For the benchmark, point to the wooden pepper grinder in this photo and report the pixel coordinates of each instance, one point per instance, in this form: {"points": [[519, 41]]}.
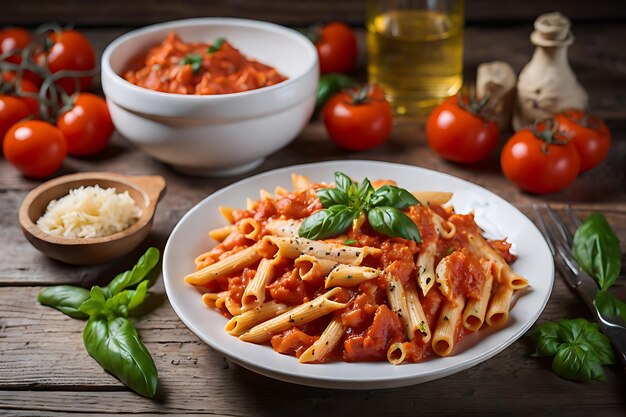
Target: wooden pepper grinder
{"points": [[547, 85]]}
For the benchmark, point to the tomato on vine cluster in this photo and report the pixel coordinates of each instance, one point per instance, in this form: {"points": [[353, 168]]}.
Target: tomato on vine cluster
{"points": [[44, 76]]}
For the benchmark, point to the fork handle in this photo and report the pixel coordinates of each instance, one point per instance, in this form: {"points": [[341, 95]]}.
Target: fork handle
{"points": [[618, 339]]}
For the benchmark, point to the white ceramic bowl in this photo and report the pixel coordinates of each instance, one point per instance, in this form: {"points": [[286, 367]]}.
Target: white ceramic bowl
{"points": [[224, 134]]}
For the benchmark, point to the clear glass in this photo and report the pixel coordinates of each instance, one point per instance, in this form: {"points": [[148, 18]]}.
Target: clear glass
{"points": [[415, 51]]}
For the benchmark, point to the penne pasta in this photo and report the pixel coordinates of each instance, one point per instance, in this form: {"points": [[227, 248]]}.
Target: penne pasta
{"points": [[250, 228], [214, 299], [396, 353], [432, 198], [293, 247], [444, 336], [227, 212], [480, 247], [444, 228], [475, 309], [299, 315], [498, 312], [327, 342], [417, 320], [397, 300], [285, 228], [239, 324], [350, 276], [235, 262], [254, 293], [300, 182], [426, 267], [221, 233], [313, 269]]}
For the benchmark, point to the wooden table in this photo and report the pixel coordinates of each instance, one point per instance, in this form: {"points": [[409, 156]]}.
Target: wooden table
{"points": [[45, 370]]}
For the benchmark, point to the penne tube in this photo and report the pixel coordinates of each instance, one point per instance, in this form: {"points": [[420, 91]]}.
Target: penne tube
{"points": [[313, 269], [299, 315], [254, 294], [426, 267], [300, 182], [221, 233], [432, 198], [293, 247], [475, 309], [444, 336], [397, 300], [238, 325], [328, 340], [227, 212], [233, 307], [396, 353], [498, 312], [350, 275], [444, 228], [284, 228], [250, 228], [416, 318], [265, 195], [211, 299], [228, 265], [480, 247]]}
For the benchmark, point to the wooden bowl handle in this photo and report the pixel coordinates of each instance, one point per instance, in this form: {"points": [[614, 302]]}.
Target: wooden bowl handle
{"points": [[152, 185]]}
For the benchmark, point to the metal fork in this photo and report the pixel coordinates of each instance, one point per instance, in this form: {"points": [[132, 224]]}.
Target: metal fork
{"points": [[560, 239]]}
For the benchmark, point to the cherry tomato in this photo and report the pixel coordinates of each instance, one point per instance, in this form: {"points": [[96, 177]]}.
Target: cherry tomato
{"points": [[25, 86], [71, 51], [540, 161], [590, 135], [35, 147], [456, 131], [12, 110], [87, 126], [358, 119], [337, 48], [14, 39]]}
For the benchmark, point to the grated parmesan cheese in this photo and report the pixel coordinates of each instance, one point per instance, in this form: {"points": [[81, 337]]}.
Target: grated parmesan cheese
{"points": [[89, 212]]}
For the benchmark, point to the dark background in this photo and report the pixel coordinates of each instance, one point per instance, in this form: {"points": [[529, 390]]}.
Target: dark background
{"points": [[125, 13]]}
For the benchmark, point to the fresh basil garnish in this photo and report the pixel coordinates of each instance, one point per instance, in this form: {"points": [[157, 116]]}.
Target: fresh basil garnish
{"points": [[216, 45], [597, 250], [578, 347], [348, 200], [195, 60], [65, 298], [609, 305], [109, 337]]}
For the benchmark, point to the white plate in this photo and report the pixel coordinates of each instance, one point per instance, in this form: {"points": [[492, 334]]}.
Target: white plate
{"points": [[496, 216]]}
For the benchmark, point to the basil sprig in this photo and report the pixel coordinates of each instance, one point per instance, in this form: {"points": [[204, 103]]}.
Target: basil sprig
{"points": [[216, 45], [109, 336], [195, 60], [578, 347], [345, 203]]}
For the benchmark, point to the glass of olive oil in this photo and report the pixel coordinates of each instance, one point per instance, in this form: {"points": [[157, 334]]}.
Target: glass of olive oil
{"points": [[415, 50]]}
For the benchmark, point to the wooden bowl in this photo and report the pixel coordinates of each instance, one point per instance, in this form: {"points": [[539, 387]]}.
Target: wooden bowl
{"points": [[146, 191]]}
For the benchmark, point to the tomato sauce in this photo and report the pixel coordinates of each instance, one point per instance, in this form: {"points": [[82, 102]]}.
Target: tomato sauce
{"points": [[180, 67]]}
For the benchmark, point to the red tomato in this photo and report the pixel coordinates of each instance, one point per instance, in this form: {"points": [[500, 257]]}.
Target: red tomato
{"points": [[337, 48], [358, 123], [590, 135], [34, 147], [460, 134], [71, 51], [539, 162], [25, 86], [87, 126], [13, 39], [12, 110]]}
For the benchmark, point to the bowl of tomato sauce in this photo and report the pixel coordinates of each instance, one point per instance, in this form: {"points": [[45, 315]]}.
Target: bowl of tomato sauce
{"points": [[211, 96]]}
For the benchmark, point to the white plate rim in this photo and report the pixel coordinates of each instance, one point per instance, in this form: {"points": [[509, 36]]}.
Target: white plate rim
{"points": [[383, 375]]}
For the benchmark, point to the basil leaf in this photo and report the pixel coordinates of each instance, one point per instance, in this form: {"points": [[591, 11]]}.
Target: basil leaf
{"points": [[139, 295], [331, 197], [195, 60], [365, 191], [576, 363], [391, 196], [115, 345], [598, 344], [130, 278], [65, 298], [216, 45], [343, 183], [597, 250], [546, 339], [394, 223], [610, 306], [571, 331], [327, 223]]}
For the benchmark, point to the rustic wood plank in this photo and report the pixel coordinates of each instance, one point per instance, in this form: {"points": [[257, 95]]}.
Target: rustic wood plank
{"points": [[303, 12], [44, 368]]}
